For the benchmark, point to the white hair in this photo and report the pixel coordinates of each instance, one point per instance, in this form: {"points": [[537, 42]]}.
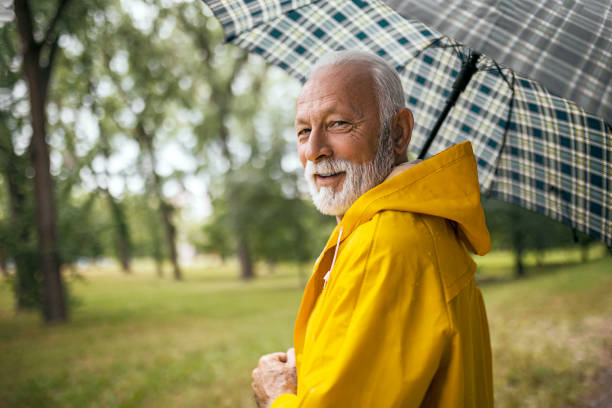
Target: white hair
{"points": [[388, 86]]}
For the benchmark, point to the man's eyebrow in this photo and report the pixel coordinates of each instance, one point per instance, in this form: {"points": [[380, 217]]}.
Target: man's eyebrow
{"points": [[300, 121]]}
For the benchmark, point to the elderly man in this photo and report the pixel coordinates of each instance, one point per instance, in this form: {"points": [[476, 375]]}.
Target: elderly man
{"points": [[391, 316]]}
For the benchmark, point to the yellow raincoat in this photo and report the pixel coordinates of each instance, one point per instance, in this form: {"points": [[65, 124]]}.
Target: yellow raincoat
{"points": [[400, 322]]}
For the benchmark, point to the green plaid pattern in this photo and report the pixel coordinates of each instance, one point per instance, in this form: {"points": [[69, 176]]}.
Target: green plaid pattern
{"points": [[295, 40], [532, 148], [238, 16], [557, 161], [564, 45], [476, 115]]}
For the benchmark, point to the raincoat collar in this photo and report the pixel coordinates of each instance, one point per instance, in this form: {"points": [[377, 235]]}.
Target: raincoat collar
{"points": [[445, 185]]}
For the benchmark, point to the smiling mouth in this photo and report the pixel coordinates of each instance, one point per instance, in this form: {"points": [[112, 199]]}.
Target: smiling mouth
{"points": [[327, 179], [327, 175]]}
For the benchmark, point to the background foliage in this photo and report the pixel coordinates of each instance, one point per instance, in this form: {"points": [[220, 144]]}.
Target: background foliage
{"points": [[172, 157]]}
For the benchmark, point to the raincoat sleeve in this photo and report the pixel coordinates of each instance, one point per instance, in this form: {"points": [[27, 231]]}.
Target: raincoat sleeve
{"points": [[381, 328]]}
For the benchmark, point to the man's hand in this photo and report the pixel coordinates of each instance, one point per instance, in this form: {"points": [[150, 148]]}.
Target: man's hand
{"points": [[275, 375]]}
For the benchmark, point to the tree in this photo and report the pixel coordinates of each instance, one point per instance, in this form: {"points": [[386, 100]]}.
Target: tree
{"points": [[120, 227], [38, 60], [521, 230], [278, 227], [147, 233], [122, 233], [144, 108], [221, 75], [166, 210], [277, 222], [40, 29], [17, 237]]}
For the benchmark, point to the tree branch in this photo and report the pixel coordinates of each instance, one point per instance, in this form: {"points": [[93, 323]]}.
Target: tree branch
{"points": [[25, 25], [46, 69], [240, 62], [199, 36], [50, 36], [51, 39], [7, 56]]}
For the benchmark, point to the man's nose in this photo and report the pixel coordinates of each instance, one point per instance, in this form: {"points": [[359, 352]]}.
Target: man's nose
{"points": [[318, 146]]}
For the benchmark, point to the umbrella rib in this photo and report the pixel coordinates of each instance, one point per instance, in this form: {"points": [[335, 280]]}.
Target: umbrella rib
{"points": [[463, 78], [508, 118]]}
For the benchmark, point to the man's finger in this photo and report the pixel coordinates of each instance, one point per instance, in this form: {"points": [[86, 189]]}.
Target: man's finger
{"points": [[282, 357], [258, 392], [291, 357], [273, 357]]}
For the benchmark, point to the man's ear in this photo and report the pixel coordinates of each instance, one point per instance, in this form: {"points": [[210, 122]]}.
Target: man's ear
{"points": [[403, 122]]}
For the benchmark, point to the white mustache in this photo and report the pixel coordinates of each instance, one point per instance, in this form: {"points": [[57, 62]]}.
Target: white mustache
{"points": [[326, 167]]}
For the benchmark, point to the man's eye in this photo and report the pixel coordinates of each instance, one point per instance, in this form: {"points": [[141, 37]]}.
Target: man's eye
{"points": [[339, 124], [303, 132]]}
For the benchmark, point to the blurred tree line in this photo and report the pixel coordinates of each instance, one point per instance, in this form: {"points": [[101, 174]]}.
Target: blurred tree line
{"points": [[519, 230], [92, 97]]}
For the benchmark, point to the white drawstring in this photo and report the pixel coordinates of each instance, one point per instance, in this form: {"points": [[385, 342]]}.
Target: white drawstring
{"points": [[326, 277]]}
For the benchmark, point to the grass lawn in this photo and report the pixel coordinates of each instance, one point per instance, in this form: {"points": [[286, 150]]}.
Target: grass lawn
{"points": [[140, 341]]}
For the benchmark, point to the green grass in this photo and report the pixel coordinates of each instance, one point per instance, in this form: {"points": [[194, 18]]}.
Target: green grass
{"points": [[551, 334], [140, 341]]}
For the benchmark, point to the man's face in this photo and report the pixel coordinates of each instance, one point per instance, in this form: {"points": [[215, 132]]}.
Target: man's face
{"points": [[337, 124]]}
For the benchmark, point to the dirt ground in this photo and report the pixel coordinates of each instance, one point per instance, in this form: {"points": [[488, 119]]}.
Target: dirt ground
{"points": [[603, 397], [600, 395]]}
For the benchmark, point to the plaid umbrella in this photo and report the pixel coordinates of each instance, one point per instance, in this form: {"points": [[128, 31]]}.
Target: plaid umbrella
{"points": [[562, 45], [533, 148]]}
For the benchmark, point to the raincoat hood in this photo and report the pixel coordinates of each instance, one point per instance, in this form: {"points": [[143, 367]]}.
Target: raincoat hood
{"points": [[445, 185]]}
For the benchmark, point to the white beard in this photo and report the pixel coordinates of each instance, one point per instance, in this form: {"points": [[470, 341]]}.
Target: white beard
{"points": [[358, 179]]}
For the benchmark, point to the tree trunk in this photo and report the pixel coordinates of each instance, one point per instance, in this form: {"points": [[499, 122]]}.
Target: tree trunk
{"points": [[3, 264], [519, 267], [159, 266], [54, 303], [37, 77], [170, 232], [242, 248], [124, 255], [27, 287], [584, 251], [244, 256], [146, 141], [518, 250], [158, 255], [121, 232], [539, 257], [517, 237]]}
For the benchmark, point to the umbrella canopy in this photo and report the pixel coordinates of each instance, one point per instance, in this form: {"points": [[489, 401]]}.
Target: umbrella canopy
{"points": [[533, 148], [565, 46]]}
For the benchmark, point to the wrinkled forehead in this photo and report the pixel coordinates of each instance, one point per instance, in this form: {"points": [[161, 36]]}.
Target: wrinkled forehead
{"points": [[353, 80]]}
